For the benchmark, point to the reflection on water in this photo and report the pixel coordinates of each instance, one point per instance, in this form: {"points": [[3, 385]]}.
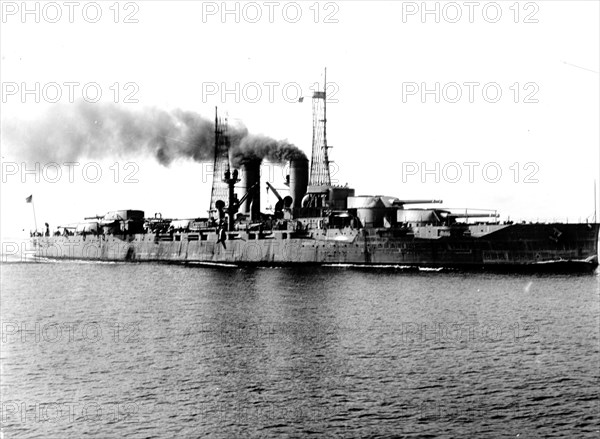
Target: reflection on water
{"points": [[149, 350]]}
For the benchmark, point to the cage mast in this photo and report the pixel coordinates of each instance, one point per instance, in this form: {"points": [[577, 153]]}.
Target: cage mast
{"points": [[319, 167]]}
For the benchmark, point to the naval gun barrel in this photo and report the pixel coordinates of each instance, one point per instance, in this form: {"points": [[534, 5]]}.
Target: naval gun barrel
{"points": [[418, 201], [474, 215]]}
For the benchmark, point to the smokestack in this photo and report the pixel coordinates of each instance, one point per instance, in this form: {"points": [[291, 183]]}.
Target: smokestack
{"points": [[298, 180], [251, 183]]}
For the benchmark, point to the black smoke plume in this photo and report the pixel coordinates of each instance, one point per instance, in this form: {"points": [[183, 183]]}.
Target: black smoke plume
{"points": [[259, 147], [95, 131]]}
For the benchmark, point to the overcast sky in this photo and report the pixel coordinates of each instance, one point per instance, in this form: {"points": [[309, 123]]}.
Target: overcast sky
{"points": [[541, 132]]}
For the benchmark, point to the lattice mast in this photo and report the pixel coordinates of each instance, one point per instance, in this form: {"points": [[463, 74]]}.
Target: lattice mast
{"points": [[319, 167], [220, 189]]}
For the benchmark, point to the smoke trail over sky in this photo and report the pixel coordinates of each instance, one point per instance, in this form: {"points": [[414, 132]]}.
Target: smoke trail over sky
{"points": [[102, 130]]}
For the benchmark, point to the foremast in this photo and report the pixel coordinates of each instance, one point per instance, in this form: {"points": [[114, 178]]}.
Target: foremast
{"points": [[220, 189], [223, 179]]}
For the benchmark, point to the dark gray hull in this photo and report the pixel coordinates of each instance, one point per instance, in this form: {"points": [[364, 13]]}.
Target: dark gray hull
{"points": [[539, 247]]}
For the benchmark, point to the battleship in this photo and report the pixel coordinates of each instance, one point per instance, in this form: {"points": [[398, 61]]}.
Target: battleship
{"points": [[316, 222]]}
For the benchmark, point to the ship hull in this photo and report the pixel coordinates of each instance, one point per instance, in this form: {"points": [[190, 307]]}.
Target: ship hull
{"points": [[539, 247]]}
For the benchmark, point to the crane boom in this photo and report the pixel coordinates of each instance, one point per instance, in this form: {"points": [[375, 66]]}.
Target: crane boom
{"points": [[270, 186]]}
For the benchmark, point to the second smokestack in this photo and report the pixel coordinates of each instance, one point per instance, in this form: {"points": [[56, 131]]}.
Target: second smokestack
{"points": [[298, 180]]}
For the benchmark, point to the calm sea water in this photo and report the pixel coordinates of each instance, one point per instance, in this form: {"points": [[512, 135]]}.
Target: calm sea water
{"points": [[150, 350]]}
